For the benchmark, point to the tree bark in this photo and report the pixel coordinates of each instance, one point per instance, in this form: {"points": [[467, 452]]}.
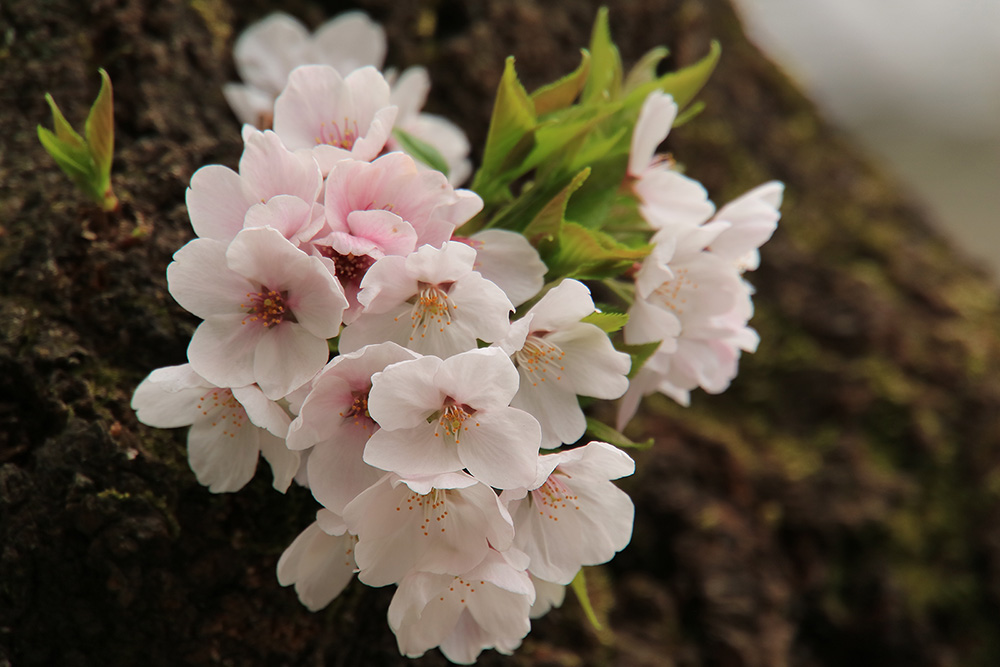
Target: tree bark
{"points": [[836, 506]]}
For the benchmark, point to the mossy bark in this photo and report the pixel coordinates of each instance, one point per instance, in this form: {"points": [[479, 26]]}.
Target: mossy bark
{"points": [[838, 505]]}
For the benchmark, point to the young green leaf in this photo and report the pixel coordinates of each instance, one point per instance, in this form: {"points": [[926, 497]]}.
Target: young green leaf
{"points": [[421, 150], [86, 160], [639, 353], [546, 226], [64, 132], [608, 322], [100, 127], [605, 433], [591, 254], [682, 85], [510, 135], [605, 80], [560, 94], [644, 71]]}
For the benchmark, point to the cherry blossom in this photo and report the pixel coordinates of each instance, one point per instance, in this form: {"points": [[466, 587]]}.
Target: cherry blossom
{"points": [[230, 428], [267, 52], [268, 309], [509, 260], [320, 561], [559, 357], [573, 515], [443, 524], [335, 423], [409, 93], [752, 219], [666, 197], [440, 416], [485, 607], [219, 198], [332, 116], [430, 301]]}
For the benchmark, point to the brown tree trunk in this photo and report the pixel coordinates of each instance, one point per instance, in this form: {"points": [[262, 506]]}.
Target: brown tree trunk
{"points": [[838, 505]]}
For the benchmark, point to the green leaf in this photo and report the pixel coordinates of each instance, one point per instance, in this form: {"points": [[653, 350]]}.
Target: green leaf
{"points": [[605, 433], [682, 85], [579, 586], [75, 161], [591, 254], [560, 94], [608, 322], [545, 227], [605, 80], [639, 353], [64, 132], [689, 113], [421, 150], [100, 128], [644, 71], [509, 138]]}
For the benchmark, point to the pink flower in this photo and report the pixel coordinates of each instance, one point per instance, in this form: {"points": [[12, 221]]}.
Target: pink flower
{"points": [[573, 515], [430, 301], [666, 197], [334, 117], [219, 198], [441, 416], [267, 51], [268, 309], [320, 561], [485, 607], [230, 428], [559, 357], [443, 524], [335, 423], [409, 93], [509, 260]]}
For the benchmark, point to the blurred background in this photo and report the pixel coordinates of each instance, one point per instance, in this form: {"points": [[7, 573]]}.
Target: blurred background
{"points": [[917, 82]]}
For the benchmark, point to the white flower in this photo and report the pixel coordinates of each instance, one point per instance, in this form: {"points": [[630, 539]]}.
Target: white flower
{"points": [[441, 416], [573, 515], [267, 51], [268, 309], [219, 198], [559, 357], [230, 428], [409, 93], [752, 219], [430, 301], [548, 596], [509, 260], [485, 607], [666, 197], [334, 117], [319, 562], [443, 524], [334, 421]]}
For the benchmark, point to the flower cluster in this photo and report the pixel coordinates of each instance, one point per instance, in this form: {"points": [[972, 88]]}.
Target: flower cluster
{"points": [[462, 326]]}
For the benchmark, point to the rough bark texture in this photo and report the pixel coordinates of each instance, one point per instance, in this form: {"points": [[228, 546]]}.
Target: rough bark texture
{"points": [[838, 505]]}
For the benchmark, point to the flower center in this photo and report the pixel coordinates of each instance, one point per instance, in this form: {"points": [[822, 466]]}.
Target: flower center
{"points": [[553, 496], [452, 420], [669, 293], [221, 407], [431, 307], [332, 134], [349, 268], [538, 357], [433, 506], [269, 308], [359, 410]]}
